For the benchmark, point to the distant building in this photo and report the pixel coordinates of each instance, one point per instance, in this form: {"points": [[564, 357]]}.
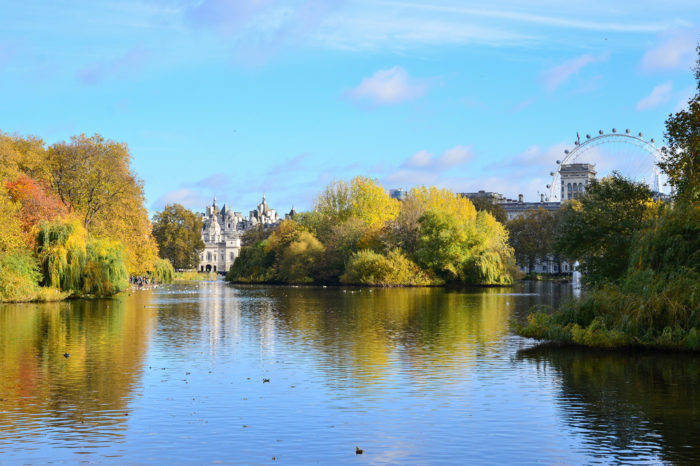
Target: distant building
{"points": [[575, 179], [222, 231], [398, 193]]}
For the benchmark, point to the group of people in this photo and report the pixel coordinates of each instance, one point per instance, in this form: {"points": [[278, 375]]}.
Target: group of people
{"points": [[141, 281]]}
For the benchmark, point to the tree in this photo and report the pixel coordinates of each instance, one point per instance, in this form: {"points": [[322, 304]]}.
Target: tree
{"points": [[598, 229], [531, 236], [681, 156], [371, 203], [91, 173], [93, 177], [486, 204], [178, 232]]}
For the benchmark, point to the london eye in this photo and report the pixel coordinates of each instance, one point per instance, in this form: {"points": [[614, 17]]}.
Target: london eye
{"points": [[629, 154]]}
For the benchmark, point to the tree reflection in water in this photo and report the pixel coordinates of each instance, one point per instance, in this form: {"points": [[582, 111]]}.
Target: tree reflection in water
{"points": [[621, 401], [81, 399]]}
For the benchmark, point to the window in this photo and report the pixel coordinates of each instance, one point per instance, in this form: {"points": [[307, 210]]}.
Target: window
{"points": [[568, 189], [208, 256]]}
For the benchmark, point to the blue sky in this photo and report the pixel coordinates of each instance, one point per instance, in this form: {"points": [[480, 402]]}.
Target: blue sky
{"points": [[241, 98]]}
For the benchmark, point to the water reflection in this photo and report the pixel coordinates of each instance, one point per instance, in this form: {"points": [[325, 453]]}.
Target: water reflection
{"points": [[631, 406], [78, 399], [410, 375]]}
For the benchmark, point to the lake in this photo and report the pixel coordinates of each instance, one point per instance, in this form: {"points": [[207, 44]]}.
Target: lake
{"points": [[212, 373]]}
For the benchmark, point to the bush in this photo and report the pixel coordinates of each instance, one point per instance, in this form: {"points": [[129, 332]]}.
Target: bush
{"points": [[19, 276], [370, 268]]}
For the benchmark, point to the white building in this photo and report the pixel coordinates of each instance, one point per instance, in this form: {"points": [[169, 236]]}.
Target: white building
{"points": [[222, 231]]}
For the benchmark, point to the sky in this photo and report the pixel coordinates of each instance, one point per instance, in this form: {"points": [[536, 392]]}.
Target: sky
{"points": [[236, 99]]}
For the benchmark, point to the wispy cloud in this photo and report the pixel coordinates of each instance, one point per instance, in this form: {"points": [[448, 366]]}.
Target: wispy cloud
{"points": [[676, 50], [121, 66], [544, 20], [216, 182], [424, 167], [555, 77], [389, 86], [659, 95], [190, 198]]}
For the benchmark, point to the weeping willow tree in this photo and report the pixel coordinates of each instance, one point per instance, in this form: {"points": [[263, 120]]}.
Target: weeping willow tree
{"points": [[61, 250], [71, 260], [163, 271], [105, 272], [491, 260]]}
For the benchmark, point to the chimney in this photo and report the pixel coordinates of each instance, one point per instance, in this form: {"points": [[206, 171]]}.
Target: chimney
{"points": [[520, 198], [541, 197]]}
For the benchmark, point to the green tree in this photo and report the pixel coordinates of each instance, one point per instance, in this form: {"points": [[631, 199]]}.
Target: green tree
{"points": [[682, 151], [178, 232], [598, 229], [532, 236]]}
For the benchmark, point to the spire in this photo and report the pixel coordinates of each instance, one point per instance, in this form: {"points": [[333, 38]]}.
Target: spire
{"points": [[214, 200]]}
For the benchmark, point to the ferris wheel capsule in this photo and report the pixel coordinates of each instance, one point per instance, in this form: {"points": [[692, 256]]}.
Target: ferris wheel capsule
{"points": [[600, 131], [558, 162], [566, 151], [652, 140], [627, 131], [641, 135], [588, 136], [614, 130]]}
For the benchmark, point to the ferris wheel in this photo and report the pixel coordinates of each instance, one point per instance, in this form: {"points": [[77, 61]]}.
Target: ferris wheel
{"points": [[631, 155]]}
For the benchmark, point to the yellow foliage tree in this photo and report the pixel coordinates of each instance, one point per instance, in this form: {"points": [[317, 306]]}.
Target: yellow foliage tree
{"points": [[371, 203], [432, 198]]}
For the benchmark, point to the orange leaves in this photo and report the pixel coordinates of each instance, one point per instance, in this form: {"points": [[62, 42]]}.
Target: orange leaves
{"points": [[35, 203]]}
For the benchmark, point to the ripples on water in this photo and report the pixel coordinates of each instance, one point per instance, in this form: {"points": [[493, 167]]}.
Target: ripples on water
{"points": [[176, 375]]}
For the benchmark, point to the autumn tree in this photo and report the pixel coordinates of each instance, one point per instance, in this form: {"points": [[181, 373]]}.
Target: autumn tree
{"points": [[93, 176], [178, 232]]}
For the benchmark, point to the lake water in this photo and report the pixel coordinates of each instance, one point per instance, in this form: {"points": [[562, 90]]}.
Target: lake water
{"points": [[180, 375]]}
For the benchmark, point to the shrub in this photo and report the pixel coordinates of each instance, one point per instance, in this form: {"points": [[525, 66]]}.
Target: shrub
{"points": [[370, 268], [19, 276]]}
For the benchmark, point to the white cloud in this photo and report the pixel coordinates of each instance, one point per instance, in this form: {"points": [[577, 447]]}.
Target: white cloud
{"points": [[190, 198], [676, 50], [424, 160], [553, 78], [390, 86], [660, 95]]}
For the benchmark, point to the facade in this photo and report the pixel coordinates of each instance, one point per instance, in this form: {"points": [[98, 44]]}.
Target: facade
{"points": [[222, 231], [399, 194], [575, 178]]}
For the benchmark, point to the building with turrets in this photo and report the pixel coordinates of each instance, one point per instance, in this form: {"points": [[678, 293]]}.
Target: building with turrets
{"points": [[222, 230]]}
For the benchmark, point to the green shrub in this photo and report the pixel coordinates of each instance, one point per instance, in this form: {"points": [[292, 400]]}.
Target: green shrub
{"points": [[19, 276], [370, 268]]}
